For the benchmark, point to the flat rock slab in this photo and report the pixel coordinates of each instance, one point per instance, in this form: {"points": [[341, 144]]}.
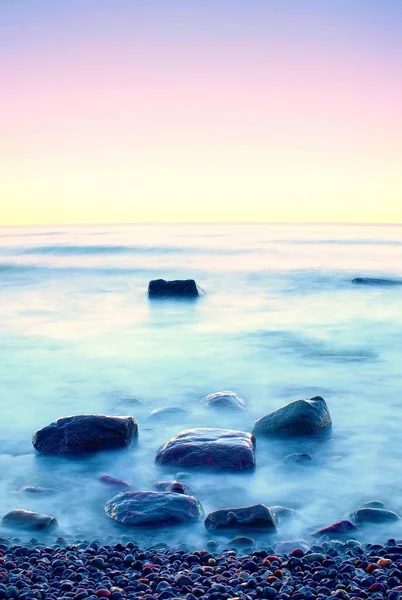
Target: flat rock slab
{"points": [[27, 519], [376, 281], [220, 449], [153, 508], [115, 482], [179, 288], [81, 434], [248, 518], [299, 418], [224, 401]]}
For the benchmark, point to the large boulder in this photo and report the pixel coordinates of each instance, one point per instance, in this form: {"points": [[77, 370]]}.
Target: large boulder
{"points": [[81, 434], [153, 508], [224, 401], [299, 418], [179, 288], [374, 515], [221, 449], [247, 518], [28, 519]]}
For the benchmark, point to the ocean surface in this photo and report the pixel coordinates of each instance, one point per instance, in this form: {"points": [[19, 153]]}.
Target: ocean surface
{"points": [[280, 320]]}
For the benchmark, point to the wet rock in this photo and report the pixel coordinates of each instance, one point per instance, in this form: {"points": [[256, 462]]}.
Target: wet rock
{"points": [[338, 528], [160, 288], [288, 546], [299, 418], [220, 449], [241, 541], [81, 434], [168, 413], [283, 513], [375, 281], [113, 481], [172, 486], [224, 401], [298, 458], [36, 489], [153, 508], [374, 515], [251, 518], [27, 519], [373, 504]]}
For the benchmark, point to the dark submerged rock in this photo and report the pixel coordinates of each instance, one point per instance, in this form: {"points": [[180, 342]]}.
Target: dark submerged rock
{"points": [[168, 413], [81, 434], [221, 449], [35, 489], [376, 281], [172, 486], [373, 504], [374, 515], [299, 418], [180, 288], [250, 518], [153, 508], [224, 401], [113, 481], [28, 519], [298, 458], [338, 528]]}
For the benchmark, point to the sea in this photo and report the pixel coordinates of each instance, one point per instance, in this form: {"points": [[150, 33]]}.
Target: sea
{"points": [[280, 320]]}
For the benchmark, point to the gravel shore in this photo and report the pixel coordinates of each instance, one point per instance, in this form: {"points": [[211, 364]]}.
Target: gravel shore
{"points": [[344, 570]]}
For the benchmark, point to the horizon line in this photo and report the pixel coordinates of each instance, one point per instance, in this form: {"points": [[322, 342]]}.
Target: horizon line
{"points": [[202, 223]]}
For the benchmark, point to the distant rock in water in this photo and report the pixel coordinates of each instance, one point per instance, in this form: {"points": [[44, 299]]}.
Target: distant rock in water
{"points": [[27, 519], [374, 504], [167, 413], [299, 418], [375, 281], [220, 449], [35, 489], [172, 486], [343, 527], [224, 401], [153, 508], [298, 458], [283, 513], [179, 288], [248, 518], [374, 515], [81, 434], [113, 481]]}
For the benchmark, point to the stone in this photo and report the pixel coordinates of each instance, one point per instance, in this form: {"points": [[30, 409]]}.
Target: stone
{"points": [[338, 528], [36, 489], [82, 434], [241, 541], [373, 504], [168, 413], [249, 518], [299, 418], [374, 515], [376, 281], [28, 519], [113, 481], [153, 508], [220, 449], [224, 401], [283, 513], [286, 547], [299, 458], [172, 486], [180, 288]]}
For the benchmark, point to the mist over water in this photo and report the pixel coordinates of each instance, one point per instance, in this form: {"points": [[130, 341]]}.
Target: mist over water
{"points": [[280, 320]]}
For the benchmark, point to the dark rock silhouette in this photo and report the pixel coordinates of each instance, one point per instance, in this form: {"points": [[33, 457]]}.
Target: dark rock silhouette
{"points": [[27, 519], [179, 288], [299, 418], [81, 434], [375, 281], [249, 518], [224, 401]]}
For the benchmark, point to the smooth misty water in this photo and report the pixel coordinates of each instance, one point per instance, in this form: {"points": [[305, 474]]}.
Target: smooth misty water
{"points": [[280, 320]]}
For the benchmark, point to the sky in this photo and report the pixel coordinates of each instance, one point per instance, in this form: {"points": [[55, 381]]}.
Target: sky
{"points": [[207, 110]]}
